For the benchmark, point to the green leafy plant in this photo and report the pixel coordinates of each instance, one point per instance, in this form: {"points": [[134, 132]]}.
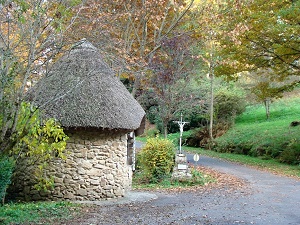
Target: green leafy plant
{"points": [[6, 168], [291, 153], [40, 142], [229, 104], [152, 133], [156, 158]]}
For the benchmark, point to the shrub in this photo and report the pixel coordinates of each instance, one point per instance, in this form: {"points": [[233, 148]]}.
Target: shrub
{"points": [[156, 158], [6, 168], [228, 105], [39, 142], [291, 153], [152, 132], [152, 114], [290, 156], [194, 139], [199, 137]]}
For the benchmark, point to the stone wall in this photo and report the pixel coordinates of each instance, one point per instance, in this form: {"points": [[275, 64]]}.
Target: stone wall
{"points": [[96, 168]]}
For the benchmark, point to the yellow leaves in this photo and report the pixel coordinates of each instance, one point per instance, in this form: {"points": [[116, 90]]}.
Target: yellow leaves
{"points": [[259, 34], [43, 183], [40, 143]]}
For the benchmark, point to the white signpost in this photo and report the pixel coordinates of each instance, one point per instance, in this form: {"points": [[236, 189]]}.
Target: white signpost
{"points": [[196, 157]]}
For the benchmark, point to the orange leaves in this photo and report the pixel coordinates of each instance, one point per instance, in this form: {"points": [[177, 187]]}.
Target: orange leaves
{"points": [[132, 27]]}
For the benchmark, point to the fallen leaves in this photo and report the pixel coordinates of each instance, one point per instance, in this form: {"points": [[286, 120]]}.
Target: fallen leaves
{"points": [[221, 181]]}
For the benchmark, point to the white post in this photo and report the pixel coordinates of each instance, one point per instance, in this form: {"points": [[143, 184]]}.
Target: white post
{"points": [[180, 145]]}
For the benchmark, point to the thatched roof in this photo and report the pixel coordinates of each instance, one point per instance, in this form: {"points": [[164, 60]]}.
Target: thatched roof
{"points": [[81, 91]]}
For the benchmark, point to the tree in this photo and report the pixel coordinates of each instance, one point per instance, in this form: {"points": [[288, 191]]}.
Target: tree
{"points": [[172, 69], [131, 31], [262, 35], [265, 88], [31, 36], [230, 102], [259, 41], [209, 19]]}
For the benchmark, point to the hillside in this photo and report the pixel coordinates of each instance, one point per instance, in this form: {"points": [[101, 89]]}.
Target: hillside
{"points": [[253, 135]]}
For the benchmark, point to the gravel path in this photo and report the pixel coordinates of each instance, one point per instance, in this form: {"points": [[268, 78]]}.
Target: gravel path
{"points": [[263, 199]]}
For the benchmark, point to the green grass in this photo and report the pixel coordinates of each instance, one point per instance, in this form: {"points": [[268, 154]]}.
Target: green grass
{"points": [[272, 136], [199, 178], [282, 113], [173, 137], [37, 212], [282, 110], [271, 165]]}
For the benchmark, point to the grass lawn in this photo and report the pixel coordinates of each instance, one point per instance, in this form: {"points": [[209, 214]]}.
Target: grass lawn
{"points": [[37, 212], [253, 126]]}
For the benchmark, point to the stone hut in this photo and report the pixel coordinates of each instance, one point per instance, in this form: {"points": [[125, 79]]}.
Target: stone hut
{"points": [[97, 113]]}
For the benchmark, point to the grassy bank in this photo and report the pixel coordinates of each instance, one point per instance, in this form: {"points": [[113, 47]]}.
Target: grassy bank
{"points": [[253, 125], [254, 135], [268, 144], [37, 212]]}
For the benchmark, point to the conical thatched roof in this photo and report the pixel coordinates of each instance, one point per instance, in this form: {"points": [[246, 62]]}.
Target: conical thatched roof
{"points": [[81, 91]]}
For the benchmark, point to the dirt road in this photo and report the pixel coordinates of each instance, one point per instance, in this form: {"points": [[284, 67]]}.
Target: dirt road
{"points": [[265, 199]]}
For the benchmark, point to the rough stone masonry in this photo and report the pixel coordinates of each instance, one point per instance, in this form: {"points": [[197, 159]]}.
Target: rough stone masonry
{"points": [[96, 168]]}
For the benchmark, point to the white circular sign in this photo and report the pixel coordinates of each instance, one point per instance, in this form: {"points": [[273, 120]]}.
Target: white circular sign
{"points": [[196, 157]]}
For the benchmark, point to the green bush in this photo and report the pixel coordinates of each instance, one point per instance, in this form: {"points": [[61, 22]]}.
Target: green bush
{"points": [[6, 168], [200, 137], [291, 153], [152, 114], [156, 159], [195, 137], [152, 133], [228, 105]]}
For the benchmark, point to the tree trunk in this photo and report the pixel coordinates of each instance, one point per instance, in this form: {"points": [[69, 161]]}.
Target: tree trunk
{"points": [[136, 84], [165, 131], [267, 107], [211, 76]]}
